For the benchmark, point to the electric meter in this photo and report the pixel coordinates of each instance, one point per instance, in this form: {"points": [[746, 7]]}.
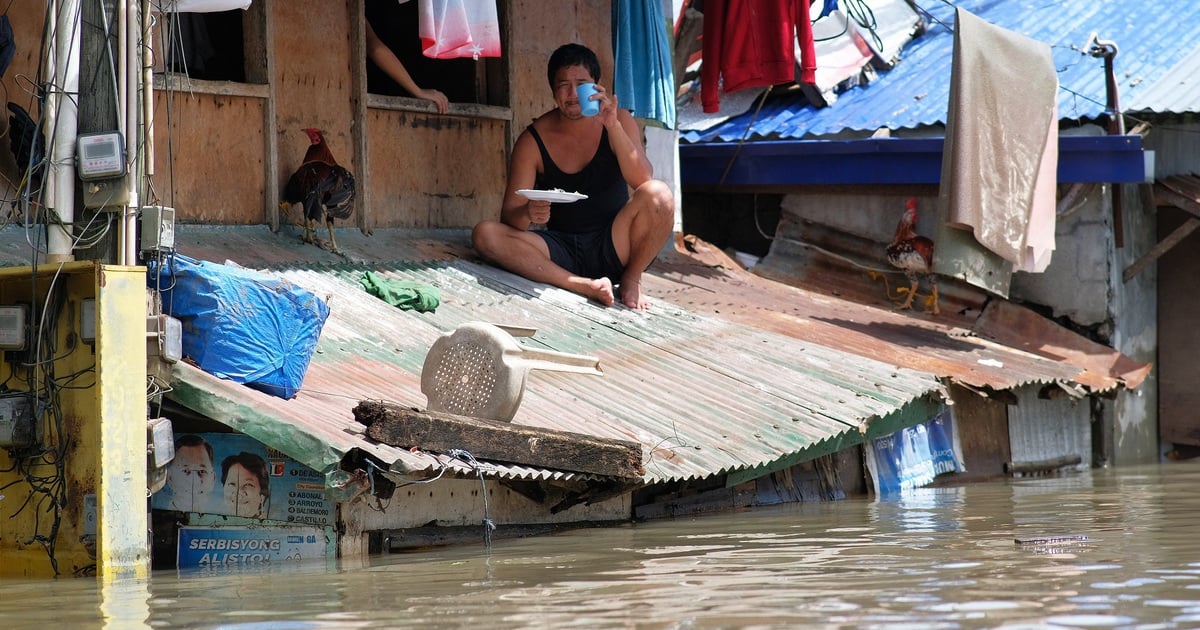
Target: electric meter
{"points": [[101, 155]]}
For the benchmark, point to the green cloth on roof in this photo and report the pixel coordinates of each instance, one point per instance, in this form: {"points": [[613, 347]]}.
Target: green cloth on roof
{"points": [[405, 294]]}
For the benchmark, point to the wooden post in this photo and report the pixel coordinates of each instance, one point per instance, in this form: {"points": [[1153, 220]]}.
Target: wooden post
{"points": [[98, 108], [366, 216]]}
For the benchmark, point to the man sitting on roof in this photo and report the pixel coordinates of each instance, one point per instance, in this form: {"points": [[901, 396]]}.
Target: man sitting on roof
{"points": [[599, 246]]}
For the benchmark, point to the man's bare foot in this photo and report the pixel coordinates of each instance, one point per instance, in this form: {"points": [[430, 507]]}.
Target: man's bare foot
{"points": [[601, 290], [631, 295]]}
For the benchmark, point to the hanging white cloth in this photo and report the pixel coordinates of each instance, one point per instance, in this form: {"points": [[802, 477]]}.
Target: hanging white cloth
{"points": [[459, 28], [1001, 156]]}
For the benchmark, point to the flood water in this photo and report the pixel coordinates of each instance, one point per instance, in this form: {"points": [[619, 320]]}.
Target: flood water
{"points": [[936, 558]]}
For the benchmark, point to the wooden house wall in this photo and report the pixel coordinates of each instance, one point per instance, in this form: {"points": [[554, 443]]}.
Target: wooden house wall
{"points": [[209, 163], [536, 32], [428, 170], [1178, 303], [312, 80], [223, 151], [417, 169]]}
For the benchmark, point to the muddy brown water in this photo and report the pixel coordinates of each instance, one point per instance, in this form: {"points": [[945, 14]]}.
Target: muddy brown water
{"points": [[1103, 549]]}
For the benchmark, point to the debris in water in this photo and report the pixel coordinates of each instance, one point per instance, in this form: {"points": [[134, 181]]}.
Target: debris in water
{"points": [[1050, 540]]}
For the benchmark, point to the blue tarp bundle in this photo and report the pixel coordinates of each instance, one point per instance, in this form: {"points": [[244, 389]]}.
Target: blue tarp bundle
{"points": [[241, 324]]}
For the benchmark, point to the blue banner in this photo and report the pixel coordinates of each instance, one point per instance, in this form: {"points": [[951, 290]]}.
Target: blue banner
{"points": [[241, 546]]}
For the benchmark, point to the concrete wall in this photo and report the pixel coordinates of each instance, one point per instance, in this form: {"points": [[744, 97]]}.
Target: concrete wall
{"points": [[1076, 284], [1134, 331]]}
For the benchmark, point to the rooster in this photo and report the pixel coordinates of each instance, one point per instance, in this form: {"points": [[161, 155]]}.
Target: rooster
{"points": [[914, 254], [325, 189]]}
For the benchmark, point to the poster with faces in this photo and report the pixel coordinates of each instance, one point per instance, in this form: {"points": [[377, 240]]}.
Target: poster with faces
{"points": [[235, 475]]}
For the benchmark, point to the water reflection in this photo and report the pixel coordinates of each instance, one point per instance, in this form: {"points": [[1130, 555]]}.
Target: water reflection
{"points": [[125, 603], [934, 558]]}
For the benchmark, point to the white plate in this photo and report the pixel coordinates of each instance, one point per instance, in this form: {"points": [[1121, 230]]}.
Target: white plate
{"points": [[555, 196]]}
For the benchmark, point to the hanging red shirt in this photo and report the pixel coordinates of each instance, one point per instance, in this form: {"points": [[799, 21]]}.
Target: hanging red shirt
{"points": [[752, 43]]}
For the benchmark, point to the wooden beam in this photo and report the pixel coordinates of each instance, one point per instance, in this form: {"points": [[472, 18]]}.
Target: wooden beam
{"points": [[405, 427], [1182, 193], [1161, 248], [1042, 466]]}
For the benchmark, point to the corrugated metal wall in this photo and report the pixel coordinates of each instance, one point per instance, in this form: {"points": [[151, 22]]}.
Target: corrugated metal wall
{"points": [[1045, 430]]}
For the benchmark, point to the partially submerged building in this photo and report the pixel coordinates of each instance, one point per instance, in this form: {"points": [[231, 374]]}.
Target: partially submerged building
{"points": [[739, 389], [833, 165]]}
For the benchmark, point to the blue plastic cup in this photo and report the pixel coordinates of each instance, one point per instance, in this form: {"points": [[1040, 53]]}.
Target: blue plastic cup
{"points": [[586, 105]]}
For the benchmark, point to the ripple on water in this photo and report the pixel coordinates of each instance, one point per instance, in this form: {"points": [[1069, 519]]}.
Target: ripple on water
{"points": [[1134, 583], [958, 565], [980, 606], [1090, 621]]}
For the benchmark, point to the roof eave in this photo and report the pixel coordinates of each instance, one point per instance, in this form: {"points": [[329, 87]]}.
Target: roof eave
{"points": [[1081, 159]]}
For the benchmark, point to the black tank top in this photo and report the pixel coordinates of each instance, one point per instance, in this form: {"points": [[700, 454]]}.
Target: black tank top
{"points": [[600, 180]]}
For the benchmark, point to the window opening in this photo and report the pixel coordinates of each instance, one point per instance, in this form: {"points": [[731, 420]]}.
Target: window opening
{"points": [[461, 80], [207, 46]]}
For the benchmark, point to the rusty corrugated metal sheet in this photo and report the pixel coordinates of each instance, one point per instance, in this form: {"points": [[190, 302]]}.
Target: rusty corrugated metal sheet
{"points": [[997, 346], [727, 371]]}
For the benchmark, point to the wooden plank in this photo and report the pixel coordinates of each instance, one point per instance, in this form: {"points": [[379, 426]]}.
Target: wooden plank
{"points": [[174, 82], [1171, 192], [1161, 248], [202, 134], [1186, 186], [421, 106], [1043, 466], [405, 427], [983, 434]]}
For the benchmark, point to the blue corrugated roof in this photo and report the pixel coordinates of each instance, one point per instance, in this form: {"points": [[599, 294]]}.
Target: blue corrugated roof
{"points": [[1156, 69]]}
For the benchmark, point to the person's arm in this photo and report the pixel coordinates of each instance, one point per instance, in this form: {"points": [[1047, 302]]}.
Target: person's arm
{"points": [[517, 211], [624, 137], [390, 64]]}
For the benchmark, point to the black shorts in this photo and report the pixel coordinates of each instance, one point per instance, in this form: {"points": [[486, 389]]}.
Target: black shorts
{"points": [[587, 254]]}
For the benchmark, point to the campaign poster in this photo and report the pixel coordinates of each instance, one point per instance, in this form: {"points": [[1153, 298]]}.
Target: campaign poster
{"points": [[941, 444], [913, 456], [242, 546], [235, 475]]}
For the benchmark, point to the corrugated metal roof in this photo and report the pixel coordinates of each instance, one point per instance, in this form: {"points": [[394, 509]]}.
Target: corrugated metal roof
{"points": [[706, 390], [704, 395], [1156, 66], [996, 346]]}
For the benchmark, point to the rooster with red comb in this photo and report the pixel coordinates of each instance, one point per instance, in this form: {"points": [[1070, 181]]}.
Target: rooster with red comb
{"points": [[913, 254]]}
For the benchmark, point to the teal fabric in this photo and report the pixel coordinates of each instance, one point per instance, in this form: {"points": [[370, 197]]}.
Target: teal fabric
{"points": [[643, 78], [404, 294]]}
